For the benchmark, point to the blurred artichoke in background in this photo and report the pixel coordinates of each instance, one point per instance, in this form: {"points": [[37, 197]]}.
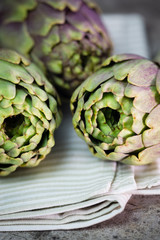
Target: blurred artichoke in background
{"points": [[28, 113], [116, 110], [64, 37]]}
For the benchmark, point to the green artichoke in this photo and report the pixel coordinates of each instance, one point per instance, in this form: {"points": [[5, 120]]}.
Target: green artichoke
{"points": [[29, 113], [116, 110], [64, 37]]}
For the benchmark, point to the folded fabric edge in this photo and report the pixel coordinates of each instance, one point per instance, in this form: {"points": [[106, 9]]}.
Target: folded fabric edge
{"points": [[21, 225], [147, 191]]}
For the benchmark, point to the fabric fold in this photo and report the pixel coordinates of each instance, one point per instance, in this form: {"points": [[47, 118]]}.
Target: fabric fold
{"points": [[101, 209]]}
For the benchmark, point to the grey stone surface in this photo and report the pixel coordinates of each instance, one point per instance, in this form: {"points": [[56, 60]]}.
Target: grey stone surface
{"points": [[141, 218]]}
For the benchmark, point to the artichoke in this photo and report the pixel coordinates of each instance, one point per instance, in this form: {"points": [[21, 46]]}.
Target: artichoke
{"points": [[116, 110], [28, 113], [64, 37]]}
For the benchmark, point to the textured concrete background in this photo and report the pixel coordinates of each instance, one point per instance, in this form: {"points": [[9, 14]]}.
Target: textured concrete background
{"points": [[141, 218]]}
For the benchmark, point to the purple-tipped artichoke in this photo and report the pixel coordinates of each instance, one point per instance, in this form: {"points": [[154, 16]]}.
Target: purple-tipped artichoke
{"points": [[116, 110], [64, 37], [29, 113]]}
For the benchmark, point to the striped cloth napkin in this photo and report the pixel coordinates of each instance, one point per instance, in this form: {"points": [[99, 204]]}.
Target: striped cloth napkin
{"points": [[71, 188]]}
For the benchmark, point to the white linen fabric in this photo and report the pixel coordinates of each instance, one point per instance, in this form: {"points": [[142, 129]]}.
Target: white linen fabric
{"points": [[72, 189]]}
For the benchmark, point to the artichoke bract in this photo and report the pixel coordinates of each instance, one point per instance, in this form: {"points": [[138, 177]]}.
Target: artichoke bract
{"points": [[116, 110], [64, 37], [29, 113]]}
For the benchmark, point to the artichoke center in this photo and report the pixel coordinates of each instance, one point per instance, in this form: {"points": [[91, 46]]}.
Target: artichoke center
{"points": [[12, 125], [112, 117]]}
